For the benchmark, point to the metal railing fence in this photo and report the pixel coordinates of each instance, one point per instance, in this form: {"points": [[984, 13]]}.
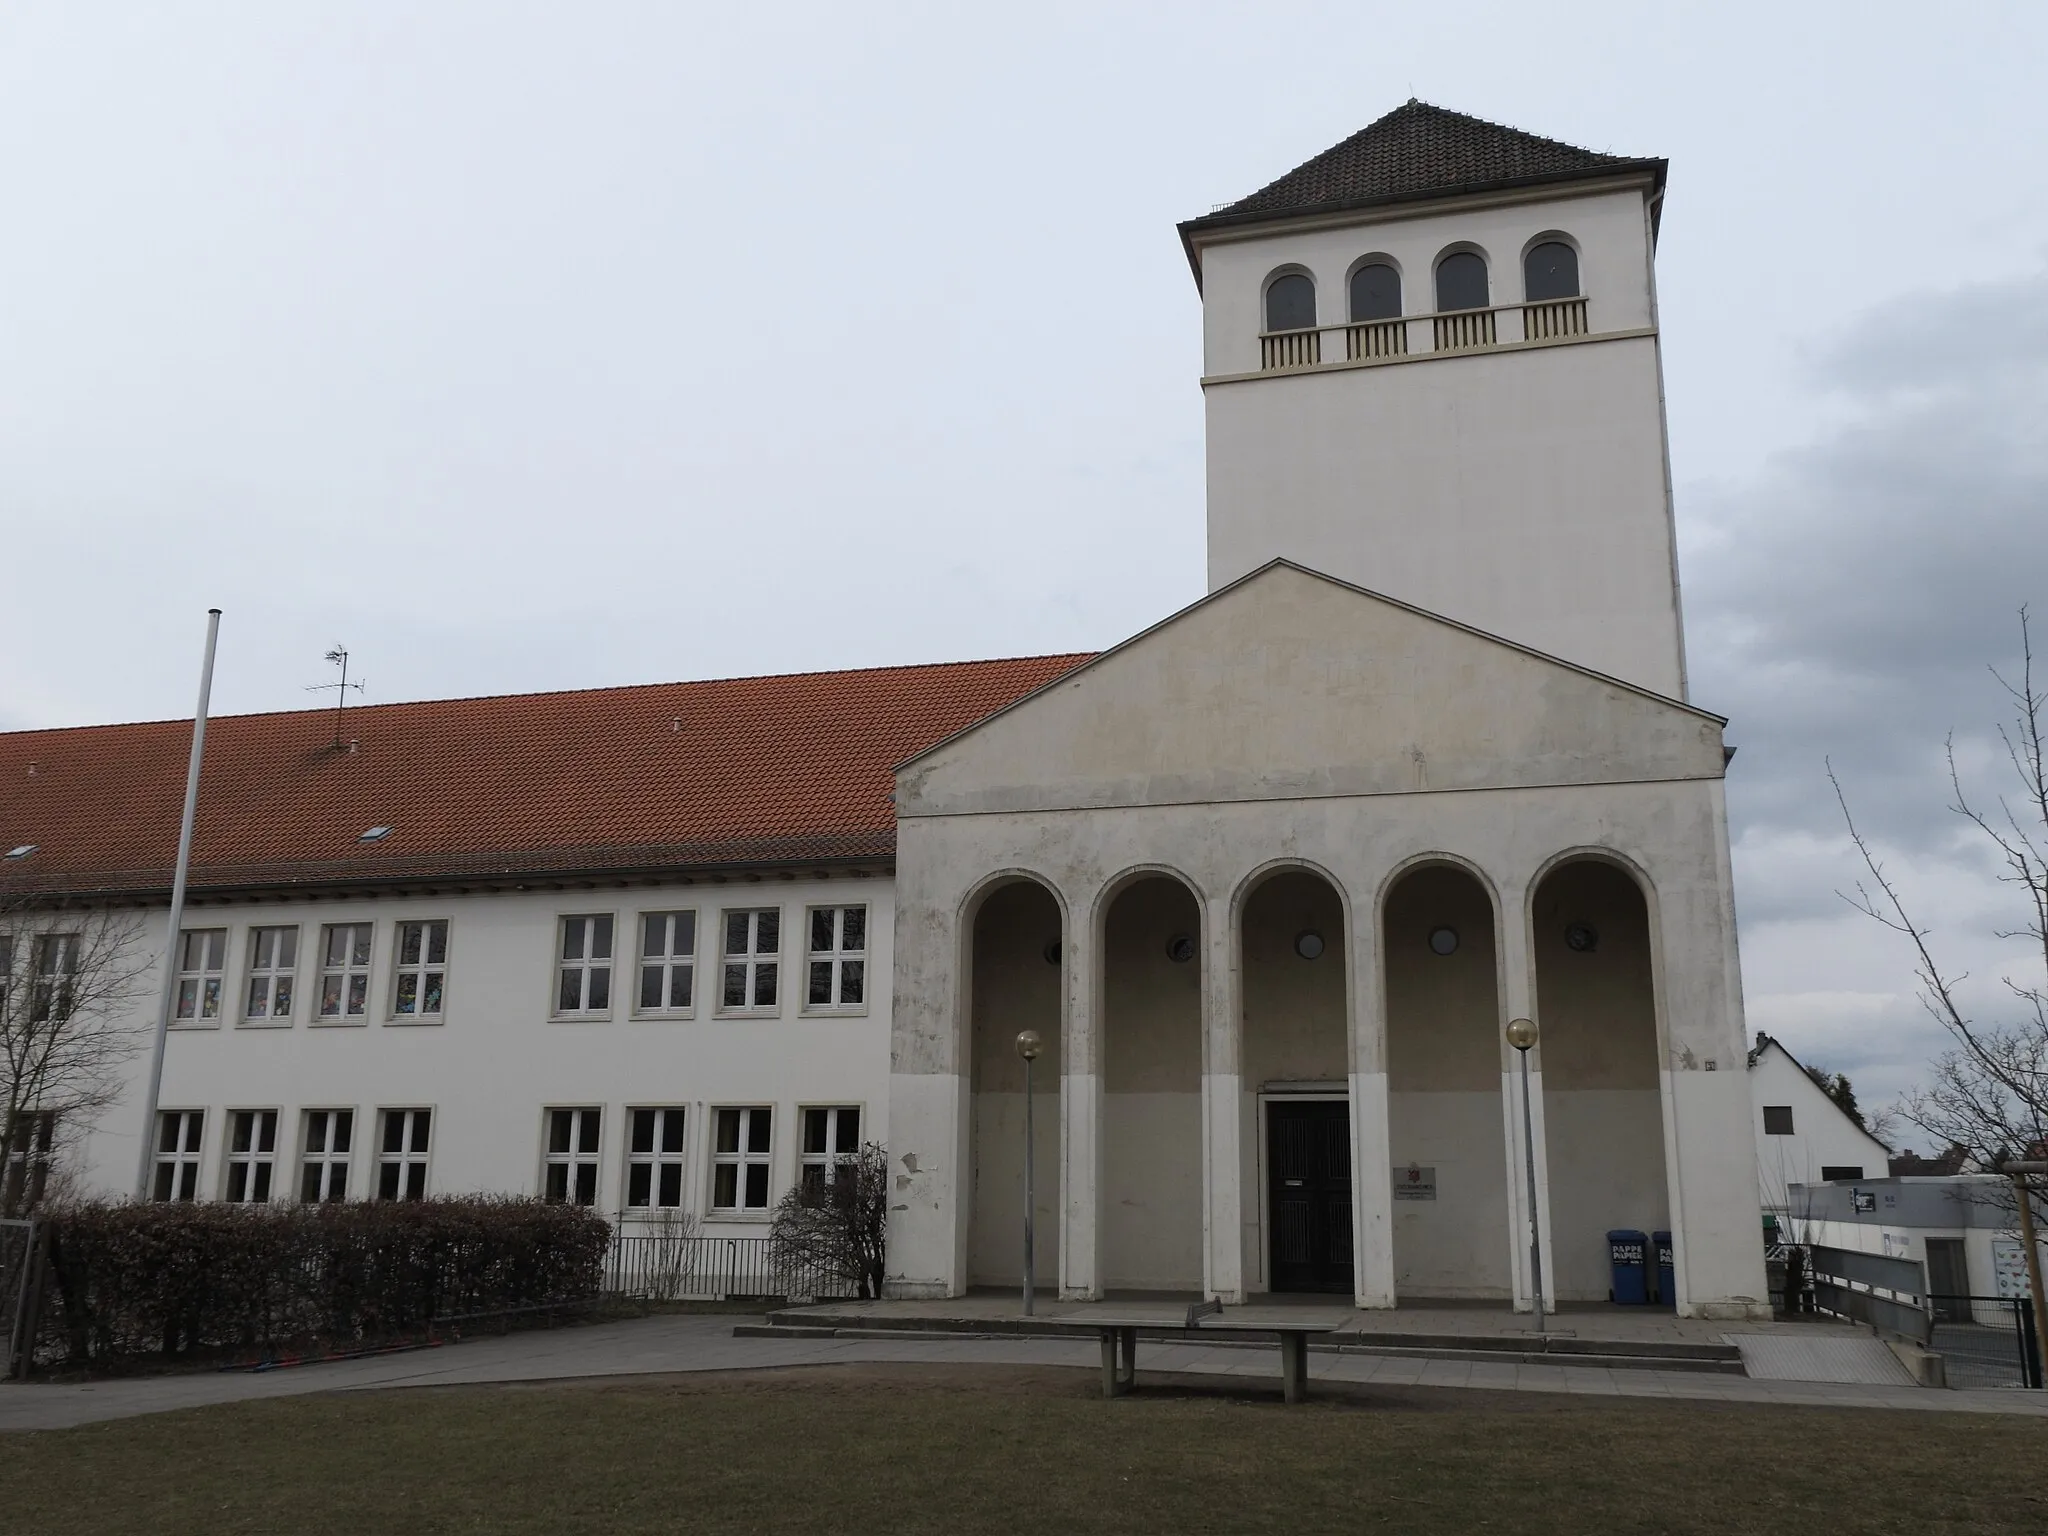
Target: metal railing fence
{"points": [[1986, 1341], [1889, 1294], [661, 1267]]}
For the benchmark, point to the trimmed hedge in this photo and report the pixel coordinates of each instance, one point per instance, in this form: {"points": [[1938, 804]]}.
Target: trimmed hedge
{"points": [[128, 1279]]}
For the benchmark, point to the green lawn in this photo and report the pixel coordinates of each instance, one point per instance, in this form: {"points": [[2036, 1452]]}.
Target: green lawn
{"points": [[906, 1449]]}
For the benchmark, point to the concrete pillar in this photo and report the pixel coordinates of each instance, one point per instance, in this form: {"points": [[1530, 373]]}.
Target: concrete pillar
{"points": [[1081, 1102], [1372, 1160], [1518, 1001], [1222, 1105]]}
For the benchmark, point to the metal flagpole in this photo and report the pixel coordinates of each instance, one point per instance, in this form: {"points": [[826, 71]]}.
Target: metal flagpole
{"points": [[163, 1013]]}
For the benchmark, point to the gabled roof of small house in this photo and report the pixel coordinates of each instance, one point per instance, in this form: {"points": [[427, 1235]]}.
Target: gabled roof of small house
{"points": [[732, 773], [1419, 151]]}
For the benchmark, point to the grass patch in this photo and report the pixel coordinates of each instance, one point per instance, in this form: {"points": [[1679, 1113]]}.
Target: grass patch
{"points": [[931, 1449]]}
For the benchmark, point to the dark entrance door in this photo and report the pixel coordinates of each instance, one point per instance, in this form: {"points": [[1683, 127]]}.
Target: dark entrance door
{"points": [[1308, 1150], [1948, 1279]]}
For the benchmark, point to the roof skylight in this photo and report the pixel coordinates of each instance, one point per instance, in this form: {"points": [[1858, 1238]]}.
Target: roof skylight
{"points": [[22, 851], [374, 835]]}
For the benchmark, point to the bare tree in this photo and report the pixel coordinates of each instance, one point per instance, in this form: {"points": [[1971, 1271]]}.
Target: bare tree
{"points": [[1989, 1091], [832, 1224], [69, 979]]}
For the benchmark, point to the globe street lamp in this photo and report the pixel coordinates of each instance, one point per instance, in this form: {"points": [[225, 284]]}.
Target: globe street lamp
{"points": [[1028, 1046], [1522, 1035]]}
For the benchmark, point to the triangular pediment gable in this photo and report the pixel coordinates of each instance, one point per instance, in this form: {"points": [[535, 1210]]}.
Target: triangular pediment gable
{"points": [[1289, 684]]}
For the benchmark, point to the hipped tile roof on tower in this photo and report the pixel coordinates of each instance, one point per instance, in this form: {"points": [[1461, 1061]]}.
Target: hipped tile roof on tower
{"points": [[739, 772], [1418, 150]]}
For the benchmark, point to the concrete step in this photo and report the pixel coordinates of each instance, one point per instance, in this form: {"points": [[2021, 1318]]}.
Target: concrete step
{"points": [[1612, 1354]]}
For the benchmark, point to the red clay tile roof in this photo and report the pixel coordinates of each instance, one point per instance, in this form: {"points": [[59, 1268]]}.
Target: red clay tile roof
{"points": [[1418, 150], [745, 771]]}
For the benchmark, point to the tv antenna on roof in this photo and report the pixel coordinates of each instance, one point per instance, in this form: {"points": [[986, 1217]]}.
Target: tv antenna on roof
{"points": [[338, 657]]}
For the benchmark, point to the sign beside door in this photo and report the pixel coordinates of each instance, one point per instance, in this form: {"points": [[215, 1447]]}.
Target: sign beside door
{"points": [[1414, 1183]]}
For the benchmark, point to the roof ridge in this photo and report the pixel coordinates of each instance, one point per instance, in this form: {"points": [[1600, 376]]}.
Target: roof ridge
{"points": [[551, 693]]}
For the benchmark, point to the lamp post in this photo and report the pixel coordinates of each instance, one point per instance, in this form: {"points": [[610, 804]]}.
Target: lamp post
{"points": [[1522, 1035], [1028, 1046]]}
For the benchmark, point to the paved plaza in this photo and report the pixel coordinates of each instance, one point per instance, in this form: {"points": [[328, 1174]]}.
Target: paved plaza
{"points": [[706, 1342]]}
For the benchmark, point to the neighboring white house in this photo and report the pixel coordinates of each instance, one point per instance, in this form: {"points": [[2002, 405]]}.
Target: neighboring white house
{"points": [[1803, 1137], [1270, 878]]}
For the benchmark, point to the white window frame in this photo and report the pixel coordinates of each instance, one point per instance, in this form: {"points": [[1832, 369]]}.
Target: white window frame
{"points": [[28, 1152], [578, 1161], [750, 963], [835, 959], [202, 978], [586, 963], [53, 985], [744, 1159], [178, 1155], [664, 963], [256, 1162], [267, 977], [429, 977], [828, 1161], [335, 1154], [658, 1159], [410, 1157], [347, 974]]}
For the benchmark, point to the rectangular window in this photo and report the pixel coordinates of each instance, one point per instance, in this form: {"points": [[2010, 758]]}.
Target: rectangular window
{"points": [[202, 954], [753, 940], [50, 994], [402, 1154], [838, 958], [422, 970], [178, 1133], [344, 970], [252, 1150], [831, 1140], [323, 1160], [668, 961], [1828, 1173], [1777, 1119], [31, 1136], [570, 1163], [654, 1160], [273, 966], [739, 1161], [584, 982]]}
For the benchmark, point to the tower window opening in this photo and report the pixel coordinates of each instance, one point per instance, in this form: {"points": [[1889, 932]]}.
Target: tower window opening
{"points": [[1291, 303], [1550, 271], [1375, 293], [1461, 282]]}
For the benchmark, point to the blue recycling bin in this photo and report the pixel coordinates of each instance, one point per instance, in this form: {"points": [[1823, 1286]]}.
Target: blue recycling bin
{"points": [[1628, 1254], [1667, 1287]]}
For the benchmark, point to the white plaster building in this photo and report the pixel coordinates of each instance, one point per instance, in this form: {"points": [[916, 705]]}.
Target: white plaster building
{"points": [[1803, 1137], [1270, 878]]}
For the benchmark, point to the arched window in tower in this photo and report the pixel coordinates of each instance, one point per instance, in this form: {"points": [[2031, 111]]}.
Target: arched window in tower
{"points": [[1291, 303], [1375, 293], [1550, 271], [1461, 282]]}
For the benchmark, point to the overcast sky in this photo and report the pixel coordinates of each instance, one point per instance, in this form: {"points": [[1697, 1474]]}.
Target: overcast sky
{"points": [[534, 346]]}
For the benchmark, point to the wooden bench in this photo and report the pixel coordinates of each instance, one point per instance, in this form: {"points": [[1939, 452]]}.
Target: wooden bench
{"points": [[1119, 1337]]}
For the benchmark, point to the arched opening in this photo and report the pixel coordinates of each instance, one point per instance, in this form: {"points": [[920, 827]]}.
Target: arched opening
{"points": [[1461, 281], [1017, 966], [1375, 292], [1291, 302], [1297, 1066], [1602, 1112], [1550, 271], [1444, 1127], [1151, 1232]]}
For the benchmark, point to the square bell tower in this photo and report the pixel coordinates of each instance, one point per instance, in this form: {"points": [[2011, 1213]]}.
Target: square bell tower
{"points": [[1431, 368]]}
